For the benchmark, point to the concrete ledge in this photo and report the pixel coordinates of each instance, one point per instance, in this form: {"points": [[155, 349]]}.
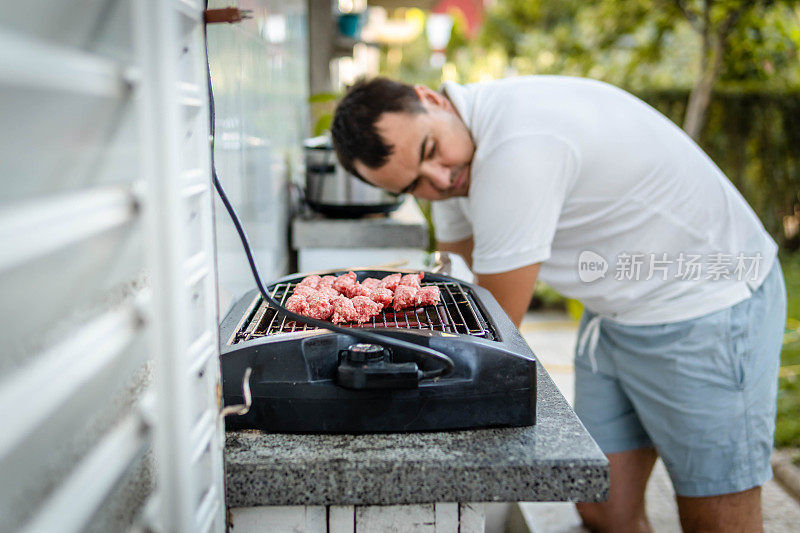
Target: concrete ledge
{"points": [[404, 228], [555, 460]]}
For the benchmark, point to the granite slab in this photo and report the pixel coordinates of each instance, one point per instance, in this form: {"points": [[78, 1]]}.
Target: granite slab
{"points": [[554, 460], [404, 228]]}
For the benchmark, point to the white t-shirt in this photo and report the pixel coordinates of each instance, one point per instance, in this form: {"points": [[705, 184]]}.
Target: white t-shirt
{"points": [[580, 175]]}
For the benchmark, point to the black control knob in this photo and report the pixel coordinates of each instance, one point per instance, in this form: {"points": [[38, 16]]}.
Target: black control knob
{"points": [[367, 366], [365, 353]]}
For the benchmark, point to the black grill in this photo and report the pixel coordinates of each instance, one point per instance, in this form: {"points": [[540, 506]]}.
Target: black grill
{"points": [[455, 313], [301, 380]]}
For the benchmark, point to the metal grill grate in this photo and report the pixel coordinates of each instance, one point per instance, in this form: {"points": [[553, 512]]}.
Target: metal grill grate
{"points": [[455, 313]]}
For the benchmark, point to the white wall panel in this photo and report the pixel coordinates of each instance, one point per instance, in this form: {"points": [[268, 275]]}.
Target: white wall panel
{"points": [[260, 84], [99, 26], [43, 300], [176, 163], [73, 274], [48, 453], [107, 270], [67, 141]]}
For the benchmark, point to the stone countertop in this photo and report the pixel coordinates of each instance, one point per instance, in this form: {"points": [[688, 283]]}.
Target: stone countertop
{"points": [[554, 460], [404, 228]]}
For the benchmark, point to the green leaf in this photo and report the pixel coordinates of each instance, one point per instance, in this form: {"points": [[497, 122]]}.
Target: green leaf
{"points": [[323, 124], [321, 98]]}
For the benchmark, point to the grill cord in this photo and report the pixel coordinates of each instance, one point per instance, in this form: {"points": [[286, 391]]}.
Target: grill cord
{"points": [[353, 332]]}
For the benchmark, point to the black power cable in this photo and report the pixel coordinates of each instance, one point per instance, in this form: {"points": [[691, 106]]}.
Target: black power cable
{"points": [[358, 333]]}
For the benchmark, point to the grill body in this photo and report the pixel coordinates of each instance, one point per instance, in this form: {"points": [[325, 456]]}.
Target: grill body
{"points": [[293, 381]]}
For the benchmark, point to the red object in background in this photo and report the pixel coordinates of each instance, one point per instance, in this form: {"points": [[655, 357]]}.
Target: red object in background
{"points": [[472, 10]]}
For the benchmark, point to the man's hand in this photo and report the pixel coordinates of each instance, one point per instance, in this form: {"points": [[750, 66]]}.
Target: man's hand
{"points": [[512, 290]]}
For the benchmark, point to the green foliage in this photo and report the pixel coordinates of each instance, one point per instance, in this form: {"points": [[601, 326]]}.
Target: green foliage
{"points": [[510, 22], [753, 137], [574, 309], [641, 43], [787, 429], [546, 297], [790, 263], [764, 47], [321, 98], [415, 64], [322, 105], [458, 36], [787, 426], [323, 124], [425, 207]]}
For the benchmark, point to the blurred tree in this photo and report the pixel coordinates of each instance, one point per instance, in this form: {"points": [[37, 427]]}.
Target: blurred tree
{"points": [[716, 22], [509, 21], [742, 40]]}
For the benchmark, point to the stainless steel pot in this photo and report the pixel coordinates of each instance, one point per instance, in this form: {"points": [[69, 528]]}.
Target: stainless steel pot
{"points": [[334, 192]]}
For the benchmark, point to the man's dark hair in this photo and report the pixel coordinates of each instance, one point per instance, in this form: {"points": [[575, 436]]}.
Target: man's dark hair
{"points": [[355, 136]]}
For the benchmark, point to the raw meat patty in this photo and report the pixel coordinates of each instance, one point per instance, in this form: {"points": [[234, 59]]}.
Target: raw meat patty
{"points": [[405, 296], [428, 296], [311, 281], [371, 283], [319, 306], [365, 308], [359, 289], [344, 282], [382, 296], [412, 279], [343, 310], [304, 290], [326, 281], [330, 292], [307, 292], [297, 304], [390, 282]]}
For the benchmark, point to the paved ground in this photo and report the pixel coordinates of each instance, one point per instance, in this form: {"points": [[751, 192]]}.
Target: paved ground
{"points": [[552, 337]]}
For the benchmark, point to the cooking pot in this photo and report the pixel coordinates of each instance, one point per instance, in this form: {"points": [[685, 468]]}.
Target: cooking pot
{"points": [[334, 192]]}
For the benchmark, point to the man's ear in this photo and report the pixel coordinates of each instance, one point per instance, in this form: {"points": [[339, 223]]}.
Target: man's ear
{"points": [[427, 95]]}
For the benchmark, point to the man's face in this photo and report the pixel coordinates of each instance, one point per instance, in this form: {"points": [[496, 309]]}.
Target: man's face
{"points": [[431, 154]]}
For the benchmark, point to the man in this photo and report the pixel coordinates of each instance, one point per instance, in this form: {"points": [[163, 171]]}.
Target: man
{"points": [[583, 185]]}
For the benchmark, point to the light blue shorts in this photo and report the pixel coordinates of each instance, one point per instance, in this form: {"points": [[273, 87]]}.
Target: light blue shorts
{"points": [[702, 391]]}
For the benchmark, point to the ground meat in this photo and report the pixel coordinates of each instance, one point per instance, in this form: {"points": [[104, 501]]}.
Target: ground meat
{"points": [[371, 283], [359, 290], [382, 296], [307, 292], [330, 292], [428, 296], [390, 282], [319, 306], [344, 282], [311, 281], [365, 308], [405, 296], [343, 310], [304, 290], [412, 279], [343, 299], [326, 281], [297, 304]]}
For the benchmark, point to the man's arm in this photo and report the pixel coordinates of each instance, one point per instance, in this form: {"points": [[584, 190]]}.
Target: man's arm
{"points": [[462, 248], [512, 290]]}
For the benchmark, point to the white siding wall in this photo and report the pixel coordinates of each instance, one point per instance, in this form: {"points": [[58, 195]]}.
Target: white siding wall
{"points": [[106, 270]]}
